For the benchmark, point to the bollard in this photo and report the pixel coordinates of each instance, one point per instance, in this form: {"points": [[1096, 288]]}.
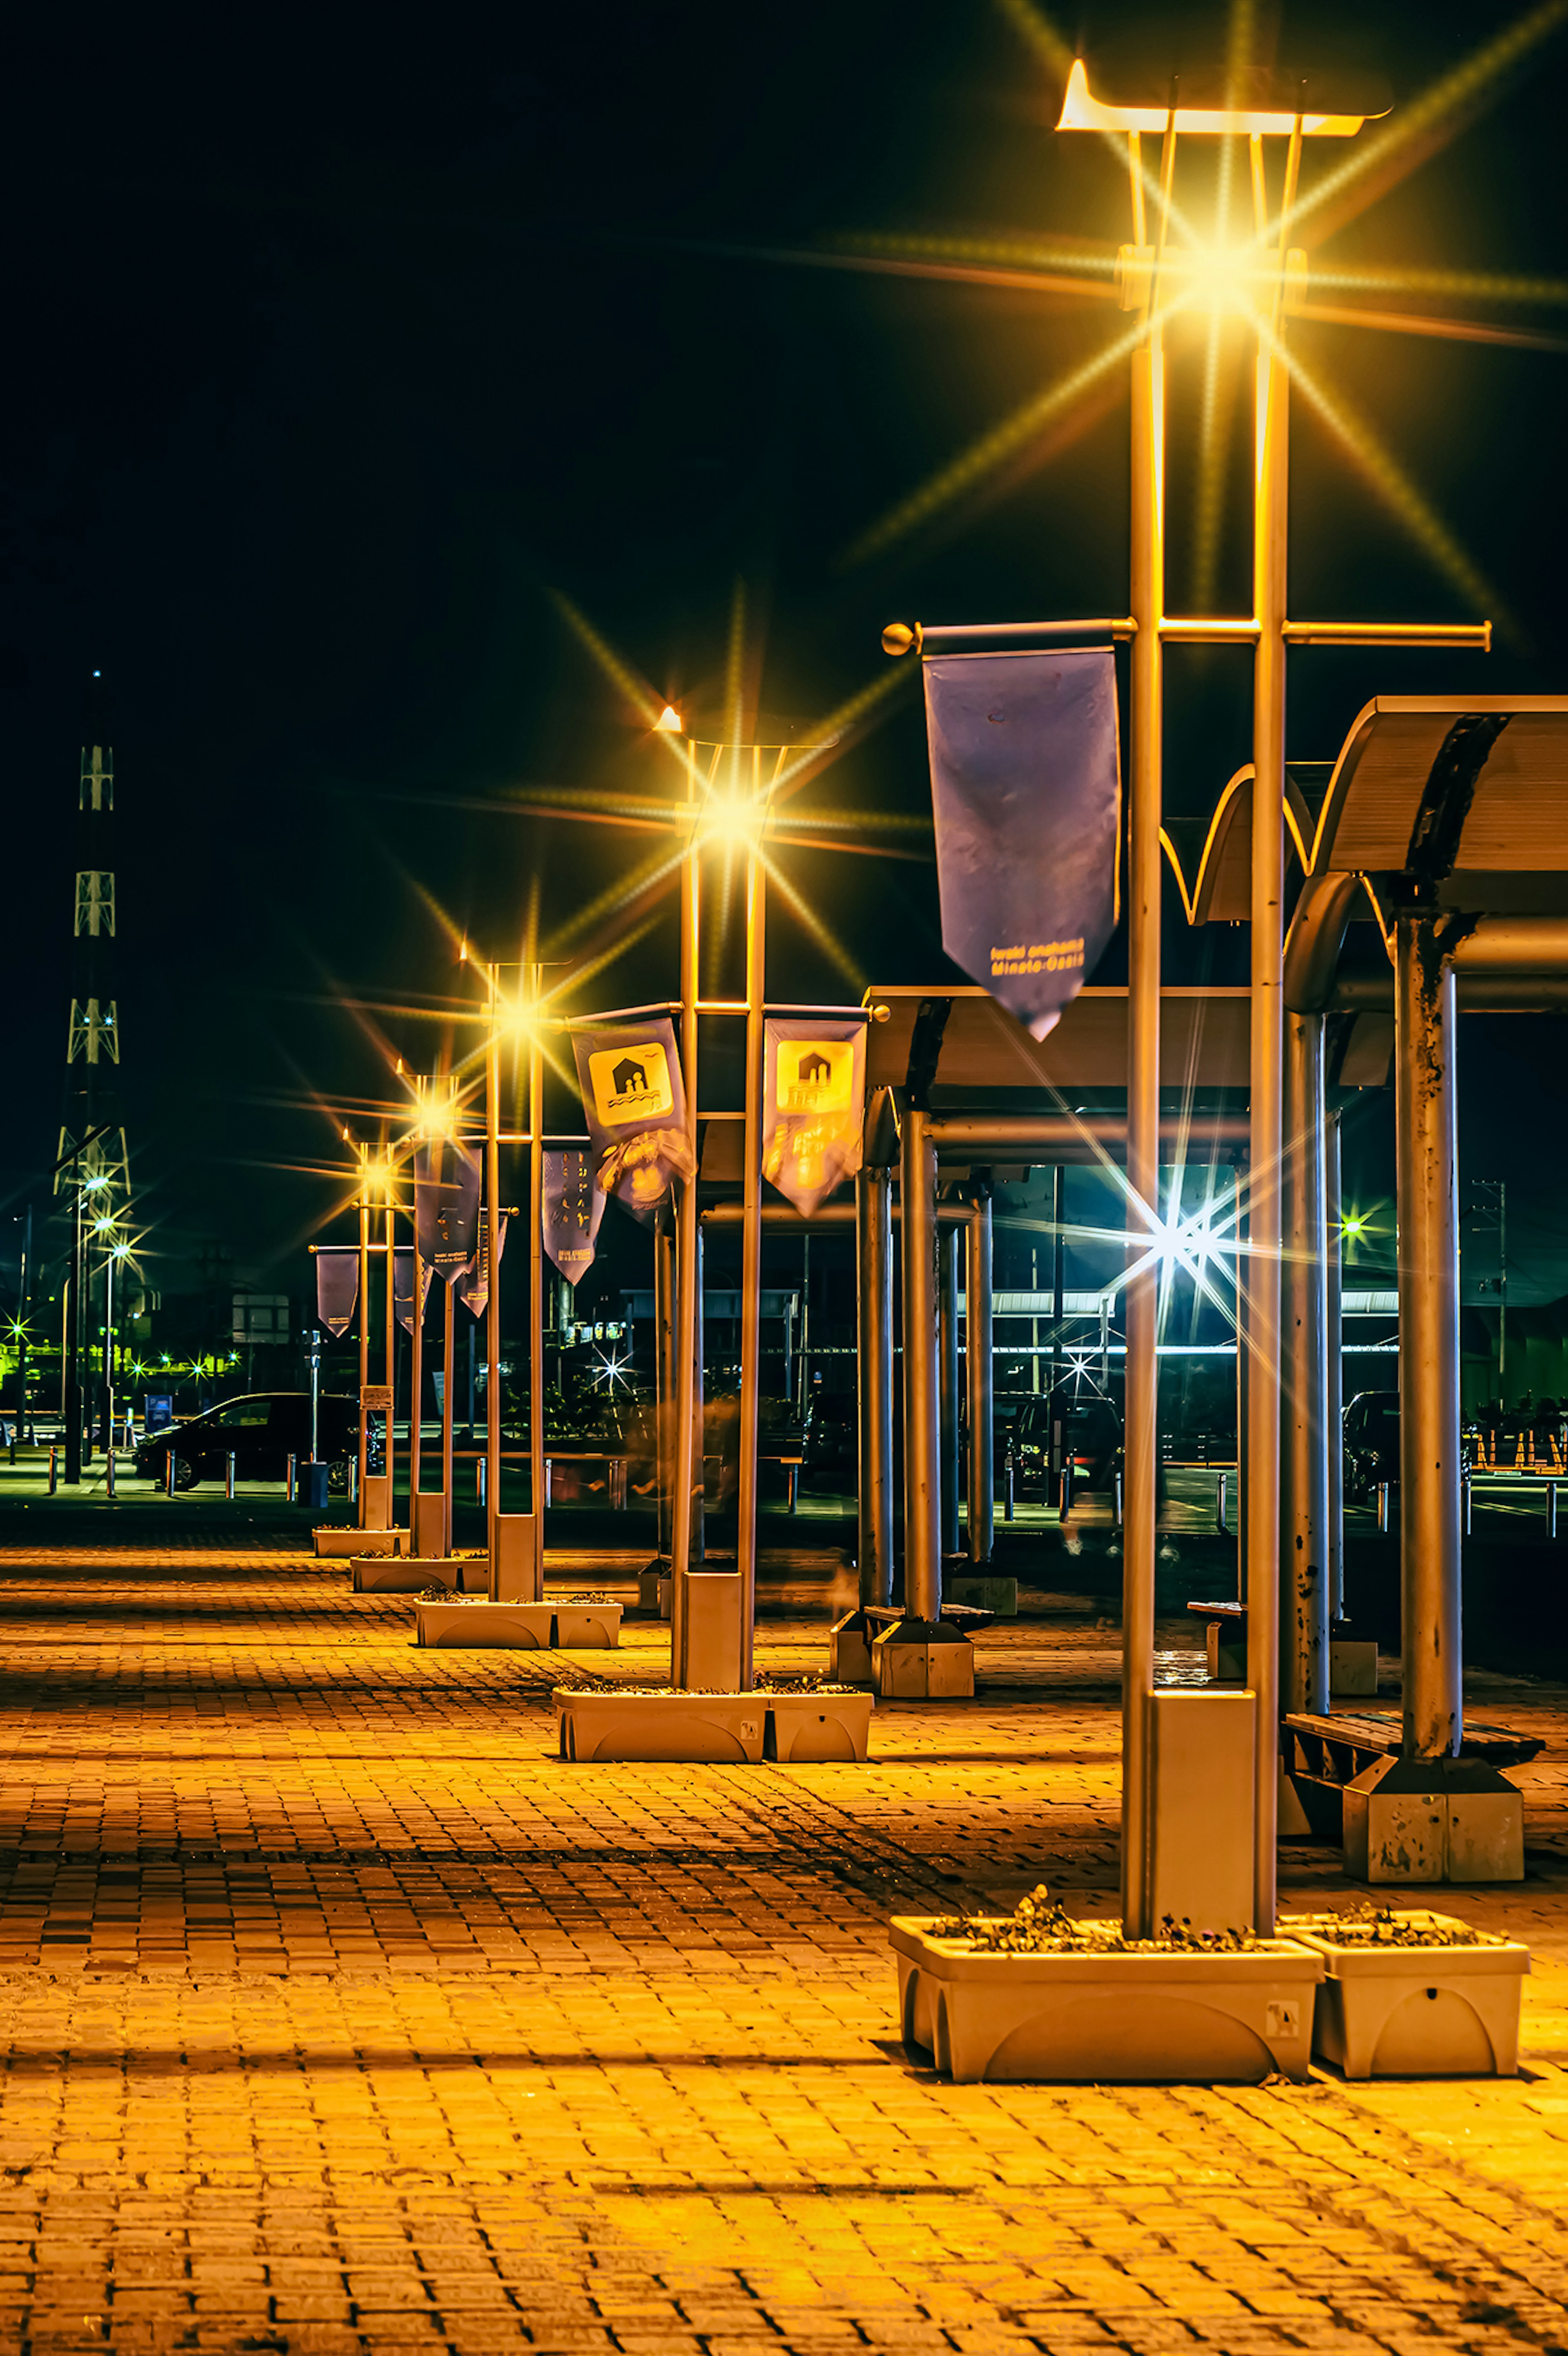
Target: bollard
{"points": [[1383, 1506], [1007, 1485], [1466, 1499], [229, 1476], [1221, 1503], [481, 1468], [109, 1474], [353, 1479], [54, 1470], [1065, 1507], [1117, 1500], [1552, 1509], [168, 1472], [292, 1479]]}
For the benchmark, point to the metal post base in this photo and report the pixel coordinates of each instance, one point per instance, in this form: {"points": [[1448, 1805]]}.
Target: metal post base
{"points": [[922, 1660], [1433, 1820], [849, 1650], [1352, 1667], [512, 1559], [712, 1632]]}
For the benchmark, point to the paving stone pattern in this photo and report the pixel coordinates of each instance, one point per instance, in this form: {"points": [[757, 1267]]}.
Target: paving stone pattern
{"points": [[338, 2013]]}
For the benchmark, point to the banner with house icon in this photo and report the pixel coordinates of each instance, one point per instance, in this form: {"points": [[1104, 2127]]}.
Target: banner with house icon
{"points": [[814, 1103], [636, 1107], [572, 1209], [446, 1205], [1026, 795]]}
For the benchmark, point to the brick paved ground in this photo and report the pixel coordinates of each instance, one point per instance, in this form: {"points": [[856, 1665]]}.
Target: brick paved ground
{"points": [[337, 2014]]}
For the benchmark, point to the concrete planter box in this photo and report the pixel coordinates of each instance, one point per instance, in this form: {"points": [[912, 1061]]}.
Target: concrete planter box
{"points": [[1417, 2012], [849, 1650], [586, 1627], [521, 1627], [1136, 2019], [406, 1574], [816, 1726], [721, 1729], [335, 1545]]}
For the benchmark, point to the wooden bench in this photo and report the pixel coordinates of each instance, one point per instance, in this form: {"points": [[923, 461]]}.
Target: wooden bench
{"points": [[1336, 1750]]}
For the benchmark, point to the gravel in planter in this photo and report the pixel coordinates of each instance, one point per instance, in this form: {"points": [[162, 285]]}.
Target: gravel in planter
{"points": [[1038, 1927]]}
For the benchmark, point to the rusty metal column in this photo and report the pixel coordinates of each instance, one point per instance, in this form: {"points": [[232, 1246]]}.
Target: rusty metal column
{"points": [[947, 1383], [922, 1497], [535, 1279], [448, 1384], [686, 1445], [1334, 1384], [389, 1231], [874, 1305], [1304, 1468], [493, 1306], [1428, 1212], [977, 1289], [364, 1324], [751, 1255], [416, 1377], [1142, 1304]]}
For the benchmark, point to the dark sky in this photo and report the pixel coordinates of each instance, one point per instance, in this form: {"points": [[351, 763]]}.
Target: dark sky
{"points": [[338, 340]]}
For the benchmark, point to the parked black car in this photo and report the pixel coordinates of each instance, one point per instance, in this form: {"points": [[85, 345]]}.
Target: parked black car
{"points": [[261, 1432], [1372, 1444], [1092, 1436]]}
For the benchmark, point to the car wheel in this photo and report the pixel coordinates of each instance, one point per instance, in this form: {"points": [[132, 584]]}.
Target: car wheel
{"points": [[337, 1478], [185, 1475]]}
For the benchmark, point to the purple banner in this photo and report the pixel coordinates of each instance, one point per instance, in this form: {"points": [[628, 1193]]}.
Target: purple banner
{"points": [[1025, 790], [814, 1106], [402, 1288], [337, 1286], [474, 1286], [446, 1205], [572, 1209], [630, 1074]]}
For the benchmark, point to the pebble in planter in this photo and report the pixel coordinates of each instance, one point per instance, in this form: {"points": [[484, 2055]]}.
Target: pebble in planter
{"points": [[810, 1719], [1037, 1995], [1414, 1994]]}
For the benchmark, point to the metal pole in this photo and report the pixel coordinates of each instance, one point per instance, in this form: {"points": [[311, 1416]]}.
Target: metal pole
{"points": [[392, 1353], [874, 1298], [416, 1375], [686, 1451], [23, 1293], [493, 1305], [449, 1364], [1058, 1314], [72, 1397], [1144, 881], [1262, 1495], [979, 1372], [535, 1284], [365, 1326], [922, 1495], [229, 1475], [1303, 1527], [664, 1377], [1334, 1387], [291, 1476], [751, 1255], [947, 1382], [109, 1366], [1428, 1226]]}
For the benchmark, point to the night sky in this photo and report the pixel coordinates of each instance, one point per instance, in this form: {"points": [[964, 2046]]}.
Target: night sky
{"points": [[341, 343]]}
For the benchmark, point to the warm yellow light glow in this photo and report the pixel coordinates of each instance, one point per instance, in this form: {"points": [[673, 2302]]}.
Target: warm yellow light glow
{"points": [[1081, 110], [669, 721], [515, 1017], [733, 822]]}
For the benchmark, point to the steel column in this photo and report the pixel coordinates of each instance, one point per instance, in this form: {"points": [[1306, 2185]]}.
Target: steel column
{"points": [[1145, 881], [947, 1382], [874, 1304], [448, 1385], [1333, 1385], [1428, 1215], [664, 1366], [1303, 1469], [751, 1255], [535, 1282], [391, 1351], [686, 1444], [493, 1306], [922, 1495], [978, 1291], [364, 1324]]}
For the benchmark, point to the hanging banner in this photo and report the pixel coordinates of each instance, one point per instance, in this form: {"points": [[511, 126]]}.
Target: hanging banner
{"points": [[813, 1102], [1025, 790], [337, 1286], [474, 1287], [636, 1106], [446, 1205], [572, 1209], [402, 1288]]}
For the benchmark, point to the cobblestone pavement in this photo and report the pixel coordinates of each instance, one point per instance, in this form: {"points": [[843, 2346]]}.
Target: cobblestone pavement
{"points": [[338, 2015]]}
